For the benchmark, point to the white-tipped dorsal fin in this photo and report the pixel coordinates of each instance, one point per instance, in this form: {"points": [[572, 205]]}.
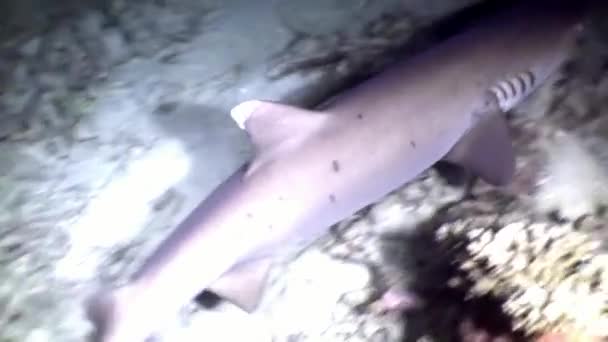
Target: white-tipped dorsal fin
{"points": [[270, 124]]}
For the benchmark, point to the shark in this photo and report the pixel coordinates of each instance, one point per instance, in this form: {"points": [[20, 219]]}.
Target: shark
{"points": [[312, 168]]}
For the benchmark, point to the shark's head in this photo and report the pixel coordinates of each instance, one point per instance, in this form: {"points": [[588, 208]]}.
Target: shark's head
{"points": [[520, 48], [547, 34]]}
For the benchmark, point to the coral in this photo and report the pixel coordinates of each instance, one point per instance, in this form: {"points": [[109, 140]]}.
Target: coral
{"points": [[552, 276]]}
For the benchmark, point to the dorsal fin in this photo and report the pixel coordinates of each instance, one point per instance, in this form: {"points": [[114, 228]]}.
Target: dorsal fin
{"points": [[270, 124]]}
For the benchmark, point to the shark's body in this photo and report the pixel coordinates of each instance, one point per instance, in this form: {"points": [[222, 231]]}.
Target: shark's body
{"points": [[314, 168]]}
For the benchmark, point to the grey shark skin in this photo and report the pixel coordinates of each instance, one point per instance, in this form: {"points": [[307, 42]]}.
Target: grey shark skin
{"points": [[313, 168]]}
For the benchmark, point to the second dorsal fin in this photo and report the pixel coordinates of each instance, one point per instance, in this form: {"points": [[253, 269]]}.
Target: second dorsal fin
{"points": [[271, 124]]}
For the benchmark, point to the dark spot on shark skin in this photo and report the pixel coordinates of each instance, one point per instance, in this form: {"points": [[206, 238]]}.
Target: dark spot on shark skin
{"points": [[335, 165], [413, 143], [249, 215], [360, 116], [332, 198]]}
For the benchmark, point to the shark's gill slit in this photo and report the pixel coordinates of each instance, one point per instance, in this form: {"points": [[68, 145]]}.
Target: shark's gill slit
{"points": [[500, 93], [512, 90]]}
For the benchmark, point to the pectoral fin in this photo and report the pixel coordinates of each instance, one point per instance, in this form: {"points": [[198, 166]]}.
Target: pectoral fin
{"points": [[486, 150], [244, 284]]}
